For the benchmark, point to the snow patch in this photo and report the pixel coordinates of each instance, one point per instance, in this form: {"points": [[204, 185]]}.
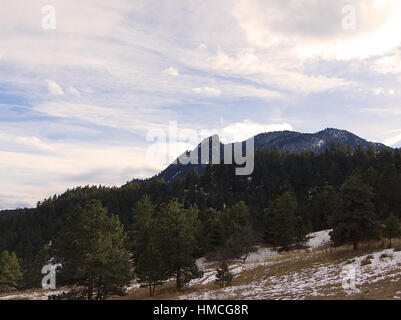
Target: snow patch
{"points": [[318, 239]]}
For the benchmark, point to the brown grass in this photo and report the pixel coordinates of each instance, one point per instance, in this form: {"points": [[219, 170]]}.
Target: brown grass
{"points": [[281, 265]]}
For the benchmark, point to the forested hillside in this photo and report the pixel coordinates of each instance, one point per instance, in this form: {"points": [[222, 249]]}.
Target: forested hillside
{"points": [[352, 191]]}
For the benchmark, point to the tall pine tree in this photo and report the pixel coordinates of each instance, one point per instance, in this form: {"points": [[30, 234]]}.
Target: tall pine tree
{"points": [[357, 219], [92, 251], [10, 271], [178, 229]]}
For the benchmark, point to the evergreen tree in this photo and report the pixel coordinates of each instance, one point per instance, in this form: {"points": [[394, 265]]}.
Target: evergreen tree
{"points": [[178, 229], [144, 225], [33, 272], [326, 205], [283, 224], [92, 251], [356, 221], [236, 217], [392, 228], [149, 266], [10, 271], [224, 277], [212, 233]]}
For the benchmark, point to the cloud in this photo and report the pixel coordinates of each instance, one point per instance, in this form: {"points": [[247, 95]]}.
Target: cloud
{"points": [[382, 111], [35, 176], [119, 118], [28, 143], [380, 90], [73, 91], [54, 88], [241, 131], [92, 83], [389, 64], [393, 140], [267, 72], [171, 71], [315, 28], [208, 91]]}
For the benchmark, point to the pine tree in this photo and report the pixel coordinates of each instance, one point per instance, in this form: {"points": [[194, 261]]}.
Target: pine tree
{"points": [[144, 225], [33, 272], [92, 251], [327, 204], [10, 271], [357, 220], [392, 228], [149, 265], [224, 277], [236, 217], [212, 230], [283, 224], [178, 229], [150, 268]]}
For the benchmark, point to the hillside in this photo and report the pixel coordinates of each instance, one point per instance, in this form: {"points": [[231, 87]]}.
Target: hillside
{"points": [[313, 272], [285, 141], [218, 215]]}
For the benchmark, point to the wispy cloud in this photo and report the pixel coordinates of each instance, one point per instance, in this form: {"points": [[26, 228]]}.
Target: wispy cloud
{"points": [[171, 71], [54, 88], [77, 101]]}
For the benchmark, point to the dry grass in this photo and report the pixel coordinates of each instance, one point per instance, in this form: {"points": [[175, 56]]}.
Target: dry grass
{"points": [[285, 264]]}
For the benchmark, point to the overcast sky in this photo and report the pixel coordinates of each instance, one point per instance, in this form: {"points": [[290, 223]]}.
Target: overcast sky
{"points": [[77, 101]]}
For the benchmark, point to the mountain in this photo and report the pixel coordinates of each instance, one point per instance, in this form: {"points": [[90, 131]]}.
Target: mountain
{"points": [[316, 142], [286, 141], [283, 140]]}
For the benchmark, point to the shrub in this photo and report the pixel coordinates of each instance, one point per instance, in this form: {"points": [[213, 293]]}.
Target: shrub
{"points": [[366, 261]]}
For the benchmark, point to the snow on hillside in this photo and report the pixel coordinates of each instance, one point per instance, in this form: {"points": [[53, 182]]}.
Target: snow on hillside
{"points": [[318, 239], [288, 275], [38, 295], [261, 256], [320, 279]]}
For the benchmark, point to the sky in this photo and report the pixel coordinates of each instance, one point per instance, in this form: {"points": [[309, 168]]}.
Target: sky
{"points": [[84, 83]]}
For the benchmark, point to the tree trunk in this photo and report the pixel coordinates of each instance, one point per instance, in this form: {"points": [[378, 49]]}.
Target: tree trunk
{"points": [[355, 244], [390, 242], [178, 285], [90, 287], [99, 295], [150, 290]]}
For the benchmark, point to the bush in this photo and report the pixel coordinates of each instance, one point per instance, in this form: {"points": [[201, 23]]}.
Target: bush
{"points": [[71, 295], [224, 277], [366, 261]]}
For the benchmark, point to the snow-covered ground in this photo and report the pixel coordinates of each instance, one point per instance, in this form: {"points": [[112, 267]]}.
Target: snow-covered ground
{"points": [[318, 239], [261, 256], [320, 279], [38, 295]]}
